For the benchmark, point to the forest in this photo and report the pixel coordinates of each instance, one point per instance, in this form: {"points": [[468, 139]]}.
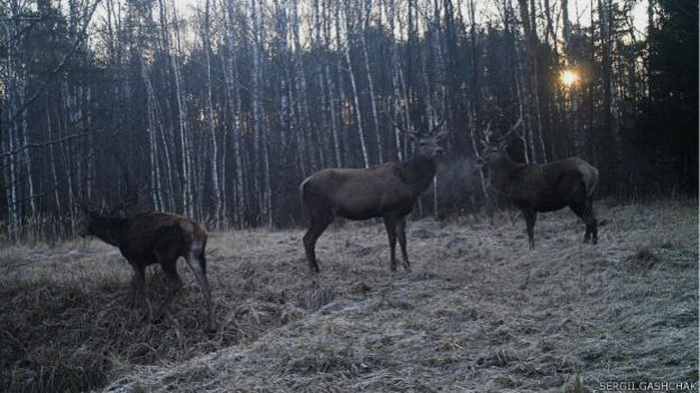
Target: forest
{"points": [[219, 110]]}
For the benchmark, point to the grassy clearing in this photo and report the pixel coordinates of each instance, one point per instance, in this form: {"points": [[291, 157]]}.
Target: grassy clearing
{"points": [[481, 312]]}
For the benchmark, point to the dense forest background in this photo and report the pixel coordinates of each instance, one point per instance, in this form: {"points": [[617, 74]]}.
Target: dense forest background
{"points": [[218, 111]]}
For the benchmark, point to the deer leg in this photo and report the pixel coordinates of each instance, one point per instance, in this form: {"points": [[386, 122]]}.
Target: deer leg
{"points": [[198, 264], [390, 225], [174, 283], [318, 225], [530, 218], [585, 211], [134, 289], [401, 232], [139, 290], [591, 223]]}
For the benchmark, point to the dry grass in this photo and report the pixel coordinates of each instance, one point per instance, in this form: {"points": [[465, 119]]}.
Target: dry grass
{"points": [[481, 312]]}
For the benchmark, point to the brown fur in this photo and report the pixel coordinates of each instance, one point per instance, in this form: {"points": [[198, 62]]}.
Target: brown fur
{"points": [[388, 191], [156, 237], [545, 187]]}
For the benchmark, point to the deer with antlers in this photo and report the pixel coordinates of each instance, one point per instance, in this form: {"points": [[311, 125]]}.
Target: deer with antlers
{"points": [[542, 187], [388, 191]]}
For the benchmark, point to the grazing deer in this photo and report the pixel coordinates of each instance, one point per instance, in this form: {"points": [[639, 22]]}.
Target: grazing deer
{"points": [[388, 191], [147, 238], [544, 187]]}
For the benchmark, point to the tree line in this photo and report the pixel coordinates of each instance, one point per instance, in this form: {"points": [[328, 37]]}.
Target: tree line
{"points": [[219, 110]]}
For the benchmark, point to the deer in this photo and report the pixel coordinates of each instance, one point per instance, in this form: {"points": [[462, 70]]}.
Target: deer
{"points": [[155, 237], [537, 188], [388, 191]]}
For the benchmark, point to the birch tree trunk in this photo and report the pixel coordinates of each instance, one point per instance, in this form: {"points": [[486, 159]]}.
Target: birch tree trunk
{"points": [[27, 156], [233, 100], [52, 158], [566, 28], [395, 76], [325, 19], [607, 140], [153, 131], [349, 31], [66, 151], [304, 119], [370, 79], [187, 172], [219, 196], [262, 169], [9, 139], [343, 113], [332, 104]]}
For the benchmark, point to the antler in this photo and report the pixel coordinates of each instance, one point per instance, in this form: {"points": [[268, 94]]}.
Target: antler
{"points": [[486, 140], [438, 125], [121, 208], [402, 129], [504, 137]]}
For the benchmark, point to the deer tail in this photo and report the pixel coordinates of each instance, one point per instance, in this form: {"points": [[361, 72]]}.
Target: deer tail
{"points": [[590, 180]]}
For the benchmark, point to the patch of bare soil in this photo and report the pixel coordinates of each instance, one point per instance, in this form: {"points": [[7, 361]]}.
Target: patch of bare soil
{"points": [[480, 312]]}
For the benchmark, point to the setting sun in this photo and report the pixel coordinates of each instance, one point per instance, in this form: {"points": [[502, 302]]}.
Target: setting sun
{"points": [[569, 78]]}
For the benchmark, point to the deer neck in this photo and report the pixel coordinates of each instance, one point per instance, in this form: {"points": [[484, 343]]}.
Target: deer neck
{"points": [[420, 173], [501, 173], [110, 230]]}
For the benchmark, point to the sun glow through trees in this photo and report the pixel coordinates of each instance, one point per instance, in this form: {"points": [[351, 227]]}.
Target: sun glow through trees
{"points": [[569, 78]]}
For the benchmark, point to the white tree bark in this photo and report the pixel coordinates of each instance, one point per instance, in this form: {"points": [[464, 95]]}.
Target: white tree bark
{"points": [[219, 196], [370, 79], [355, 93], [233, 100]]}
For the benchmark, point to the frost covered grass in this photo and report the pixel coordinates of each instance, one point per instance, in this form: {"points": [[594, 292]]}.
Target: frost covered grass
{"points": [[481, 311]]}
